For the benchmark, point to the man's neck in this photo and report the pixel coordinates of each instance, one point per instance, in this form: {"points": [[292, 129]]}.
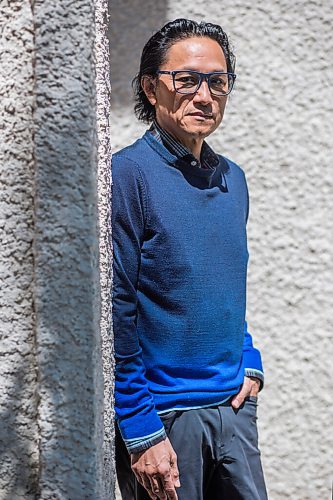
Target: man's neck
{"points": [[192, 143]]}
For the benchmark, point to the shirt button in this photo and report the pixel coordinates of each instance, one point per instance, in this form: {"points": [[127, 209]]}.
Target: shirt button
{"points": [[193, 163]]}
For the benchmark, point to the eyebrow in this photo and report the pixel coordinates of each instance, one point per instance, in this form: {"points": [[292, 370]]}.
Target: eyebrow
{"points": [[197, 71]]}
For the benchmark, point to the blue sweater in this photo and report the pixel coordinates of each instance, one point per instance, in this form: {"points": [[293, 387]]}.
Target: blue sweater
{"points": [[180, 263]]}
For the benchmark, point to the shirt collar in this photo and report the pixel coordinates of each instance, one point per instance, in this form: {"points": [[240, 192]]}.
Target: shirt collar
{"points": [[208, 159]]}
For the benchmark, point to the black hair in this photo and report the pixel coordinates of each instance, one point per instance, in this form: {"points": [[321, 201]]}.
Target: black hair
{"points": [[155, 52]]}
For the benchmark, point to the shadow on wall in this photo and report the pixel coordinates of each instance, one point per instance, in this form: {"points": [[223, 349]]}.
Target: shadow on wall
{"points": [[66, 299], [132, 23], [18, 454]]}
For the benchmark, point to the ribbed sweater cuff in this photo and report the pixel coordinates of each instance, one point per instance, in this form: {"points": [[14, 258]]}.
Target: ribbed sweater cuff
{"points": [[143, 443]]}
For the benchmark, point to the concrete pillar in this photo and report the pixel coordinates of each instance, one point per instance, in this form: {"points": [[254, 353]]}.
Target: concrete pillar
{"points": [[18, 398], [55, 267]]}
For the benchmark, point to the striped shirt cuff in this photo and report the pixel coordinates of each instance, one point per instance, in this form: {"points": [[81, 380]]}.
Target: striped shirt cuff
{"points": [[143, 443], [252, 372]]}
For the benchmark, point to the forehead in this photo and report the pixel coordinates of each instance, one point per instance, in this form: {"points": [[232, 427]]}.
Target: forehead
{"points": [[197, 53]]}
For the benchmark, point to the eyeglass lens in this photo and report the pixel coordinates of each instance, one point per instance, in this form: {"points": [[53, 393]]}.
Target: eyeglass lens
{"points": [[187, 83]]}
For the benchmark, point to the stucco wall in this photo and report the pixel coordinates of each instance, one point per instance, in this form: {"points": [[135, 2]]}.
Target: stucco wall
{"points": [[278, 127]]}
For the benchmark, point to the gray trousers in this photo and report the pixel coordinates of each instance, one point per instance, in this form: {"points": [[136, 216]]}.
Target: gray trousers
{"points": [[217, 450]]}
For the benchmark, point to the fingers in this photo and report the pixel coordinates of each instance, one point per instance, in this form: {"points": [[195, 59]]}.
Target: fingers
{"points": [[144, 480], [250, 387], [169, 487], [173, 464], [147, 484], [156, 470], [157, 487], [175, 471], [255, 386], [160, 487], [238, 400]]}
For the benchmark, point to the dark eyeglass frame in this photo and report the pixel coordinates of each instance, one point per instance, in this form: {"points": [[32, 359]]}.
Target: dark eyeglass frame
{"points": [[203, 76]]}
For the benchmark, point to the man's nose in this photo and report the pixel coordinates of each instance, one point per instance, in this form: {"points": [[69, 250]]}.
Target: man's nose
{"points": [[203, 94]]}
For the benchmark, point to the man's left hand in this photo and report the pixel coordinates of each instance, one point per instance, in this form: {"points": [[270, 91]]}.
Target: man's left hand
{"points": [[250, 387]]}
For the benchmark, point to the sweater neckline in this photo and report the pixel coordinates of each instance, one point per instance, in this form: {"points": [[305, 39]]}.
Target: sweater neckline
{"points": [[177, 162]]}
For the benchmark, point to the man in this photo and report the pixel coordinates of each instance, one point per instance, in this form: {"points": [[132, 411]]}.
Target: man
{"points": [[187, 374]]}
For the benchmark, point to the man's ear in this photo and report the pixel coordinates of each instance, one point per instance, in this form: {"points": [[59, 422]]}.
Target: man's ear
{"points": [[148, 85]]}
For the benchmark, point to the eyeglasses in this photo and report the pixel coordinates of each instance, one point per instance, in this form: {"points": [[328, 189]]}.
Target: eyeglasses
{"points": [[189, 82]]}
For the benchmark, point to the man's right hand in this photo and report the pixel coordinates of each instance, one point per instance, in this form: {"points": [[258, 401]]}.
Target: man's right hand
{"points": [[156, 470]]}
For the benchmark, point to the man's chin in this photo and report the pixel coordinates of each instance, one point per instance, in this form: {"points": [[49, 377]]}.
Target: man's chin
{"points": [[200, 129]]}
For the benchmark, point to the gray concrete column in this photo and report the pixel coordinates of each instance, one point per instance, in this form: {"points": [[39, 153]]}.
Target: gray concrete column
{"points": [[55, 254], [67, 293], [18, 398]]}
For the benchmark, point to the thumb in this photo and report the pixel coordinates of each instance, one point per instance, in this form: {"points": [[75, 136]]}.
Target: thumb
{"points": [[175, 475], [174, 468]]}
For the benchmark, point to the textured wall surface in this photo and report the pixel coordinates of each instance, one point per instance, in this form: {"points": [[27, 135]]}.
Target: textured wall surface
{"points": [[278, 127], [67, 293], [131, 23], [18, 401]]}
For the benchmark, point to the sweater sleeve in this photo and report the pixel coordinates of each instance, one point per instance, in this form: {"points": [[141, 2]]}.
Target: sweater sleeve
{"points": [[252, 358], [139, 423], [251, 355]]}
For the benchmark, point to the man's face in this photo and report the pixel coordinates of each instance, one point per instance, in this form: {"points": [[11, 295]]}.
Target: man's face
{"points": [[192, 116]]}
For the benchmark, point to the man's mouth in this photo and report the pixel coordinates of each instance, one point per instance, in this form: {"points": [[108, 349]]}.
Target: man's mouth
{"points": [[201, 115]]}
